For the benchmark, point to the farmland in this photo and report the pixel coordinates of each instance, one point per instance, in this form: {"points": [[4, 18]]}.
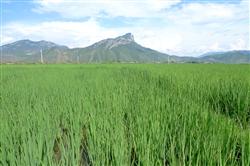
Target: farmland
{"points": [[125, 114]]}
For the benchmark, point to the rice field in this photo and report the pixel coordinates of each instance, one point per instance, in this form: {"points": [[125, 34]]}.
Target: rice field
{"points": [[125, 114]]}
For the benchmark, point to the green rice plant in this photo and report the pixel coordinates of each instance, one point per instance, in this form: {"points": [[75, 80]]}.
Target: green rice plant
{"points": [[125, 114]]}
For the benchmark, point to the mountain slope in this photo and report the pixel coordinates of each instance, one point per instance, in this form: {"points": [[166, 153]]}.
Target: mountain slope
{"points": [[120, 49], [28, 51], [239, 56]]}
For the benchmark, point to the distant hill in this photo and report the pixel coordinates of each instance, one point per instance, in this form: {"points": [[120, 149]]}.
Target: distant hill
{"points": [[239, 56], [28, 51], [119, 49]]}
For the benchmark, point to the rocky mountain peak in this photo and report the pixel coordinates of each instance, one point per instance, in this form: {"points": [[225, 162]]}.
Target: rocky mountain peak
{"points": [[127, 36], [115, 42]]}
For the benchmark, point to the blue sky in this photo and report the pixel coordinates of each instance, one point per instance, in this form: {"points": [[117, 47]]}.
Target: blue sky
{"points": [[181, 27]]}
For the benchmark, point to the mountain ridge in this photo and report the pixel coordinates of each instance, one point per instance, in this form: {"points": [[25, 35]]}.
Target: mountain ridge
{"points": [[120, 49]]}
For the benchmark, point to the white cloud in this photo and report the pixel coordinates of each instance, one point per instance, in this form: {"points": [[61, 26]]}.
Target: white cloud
{"points": [[111, 8], [74, 34], [190, 29], [200, 13], [7, 39], [207, 13], [239, 44]]}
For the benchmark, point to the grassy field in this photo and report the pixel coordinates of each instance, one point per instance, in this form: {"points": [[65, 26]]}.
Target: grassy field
{"points": [[177, 114]]}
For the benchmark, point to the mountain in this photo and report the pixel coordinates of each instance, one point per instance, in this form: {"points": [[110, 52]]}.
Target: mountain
{"points": [[28, 51], [237, 56], [119, 49]]}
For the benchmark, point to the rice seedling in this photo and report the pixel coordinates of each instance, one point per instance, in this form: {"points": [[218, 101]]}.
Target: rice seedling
{"points": [[104, 114]]}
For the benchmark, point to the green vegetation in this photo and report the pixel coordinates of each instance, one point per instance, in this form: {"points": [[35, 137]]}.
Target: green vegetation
{"points": [[186, 114]]}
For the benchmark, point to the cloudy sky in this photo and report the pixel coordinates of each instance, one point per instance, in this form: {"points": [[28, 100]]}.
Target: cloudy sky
{"points": [[181, 27]]}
